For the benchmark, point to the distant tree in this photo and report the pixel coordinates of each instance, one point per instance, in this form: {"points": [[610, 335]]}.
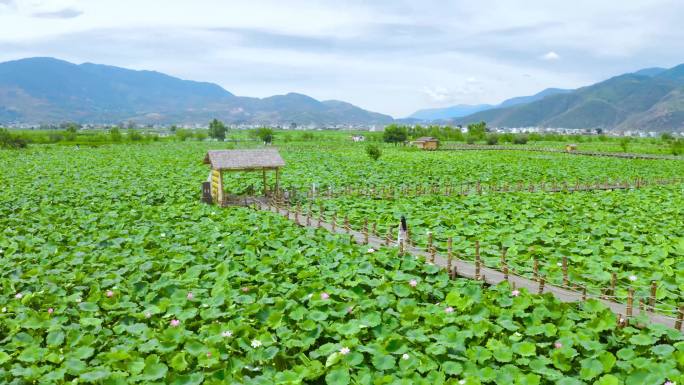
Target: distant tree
{"points": [[395, 134], [492, 139], [7, 140], [173, 128], [520, 139], [306, 136], [217, 130], [477, 130], [265, 134], [183, 135], [373, 151], [134, 135], [677, 147], [115, 134], [666, 137], [200, 136], [624, 143]]}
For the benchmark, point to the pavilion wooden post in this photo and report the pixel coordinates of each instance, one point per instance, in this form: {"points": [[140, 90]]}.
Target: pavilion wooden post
{"points": [[542, 281], [277, 181], [630, 301], [263, 175]]}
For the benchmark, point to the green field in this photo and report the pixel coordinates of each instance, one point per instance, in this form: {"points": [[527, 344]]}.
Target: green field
{"points": [[114, 272]]}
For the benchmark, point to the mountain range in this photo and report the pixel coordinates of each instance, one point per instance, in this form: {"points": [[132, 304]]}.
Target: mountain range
{"points": [[461, 110], [651, 99], [48, 90]]}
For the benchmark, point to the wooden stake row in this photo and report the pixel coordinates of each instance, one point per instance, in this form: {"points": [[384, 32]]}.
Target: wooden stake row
{"points": [[643, 304]]}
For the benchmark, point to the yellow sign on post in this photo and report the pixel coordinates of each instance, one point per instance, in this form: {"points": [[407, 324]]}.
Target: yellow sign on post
{"points": [[216, 186]]}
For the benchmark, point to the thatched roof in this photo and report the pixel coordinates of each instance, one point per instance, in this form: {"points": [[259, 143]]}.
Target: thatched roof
{"points": [[426, 139], [243, 159]]}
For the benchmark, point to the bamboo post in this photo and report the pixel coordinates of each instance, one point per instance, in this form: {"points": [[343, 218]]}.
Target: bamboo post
{"points": [[334, 221], [374, 229], [613, 282], [652, 298], [630, 301], [297, 209], [680, 318], [320, 215], [308, 216], [429, 242], [584, 293], [450, 242], [347, 227], [535, 269], [477, 260], [542, 281], [388, 237], [505, 271], [365, 231], [565, 271], [642, 306]]}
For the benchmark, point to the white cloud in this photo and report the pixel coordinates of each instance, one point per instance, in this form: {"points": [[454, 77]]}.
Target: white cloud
{"points": [[389, 56], [551, 56]]}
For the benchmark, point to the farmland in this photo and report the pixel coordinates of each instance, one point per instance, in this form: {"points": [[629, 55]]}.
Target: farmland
{"points": [[115, 273]]}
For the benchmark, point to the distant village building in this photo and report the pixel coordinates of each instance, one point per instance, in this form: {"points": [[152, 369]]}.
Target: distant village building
{"points": [[426, 143], [358, 138]]}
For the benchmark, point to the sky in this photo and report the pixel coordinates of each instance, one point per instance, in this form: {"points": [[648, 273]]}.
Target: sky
{"points": [[389, 56]]}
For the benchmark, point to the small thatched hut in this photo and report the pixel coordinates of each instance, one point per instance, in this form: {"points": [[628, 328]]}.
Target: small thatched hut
{"points": [[427, 143], [241, 160]]}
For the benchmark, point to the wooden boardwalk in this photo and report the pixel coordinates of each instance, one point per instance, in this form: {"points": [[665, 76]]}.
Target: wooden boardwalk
{"points": [[467, 269], [624, 155]]}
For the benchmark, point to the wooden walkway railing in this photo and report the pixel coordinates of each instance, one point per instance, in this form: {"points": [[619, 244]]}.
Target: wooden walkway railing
{"points": [[461, 268], [470, 188], [624, 155]]}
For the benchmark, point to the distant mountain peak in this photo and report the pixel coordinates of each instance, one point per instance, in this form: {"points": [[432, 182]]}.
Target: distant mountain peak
{"points": [[48, 90]]}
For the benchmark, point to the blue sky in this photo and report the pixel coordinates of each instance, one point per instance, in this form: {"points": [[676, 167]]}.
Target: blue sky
{"points": [[390, 56]]}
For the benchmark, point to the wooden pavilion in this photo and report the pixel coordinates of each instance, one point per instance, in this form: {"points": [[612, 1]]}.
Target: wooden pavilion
{"points": [[239, 160]]}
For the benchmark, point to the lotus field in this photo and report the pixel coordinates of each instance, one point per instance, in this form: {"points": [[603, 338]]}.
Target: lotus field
{"points": [[114, 272]]}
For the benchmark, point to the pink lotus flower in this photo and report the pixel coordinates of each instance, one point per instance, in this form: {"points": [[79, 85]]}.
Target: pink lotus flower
{"points": [[190, 296], [668, 382], [449, 309], [51, 310], [515, 293], [413, 283], [245, 289], [350, 309], [558, 345], [208, 354], [325, 295], [344, 351], [18, 296], [109, 294], [175, 322]]}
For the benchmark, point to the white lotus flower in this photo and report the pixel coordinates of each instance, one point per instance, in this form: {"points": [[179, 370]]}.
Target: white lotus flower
{"points": [[256, 343]]}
